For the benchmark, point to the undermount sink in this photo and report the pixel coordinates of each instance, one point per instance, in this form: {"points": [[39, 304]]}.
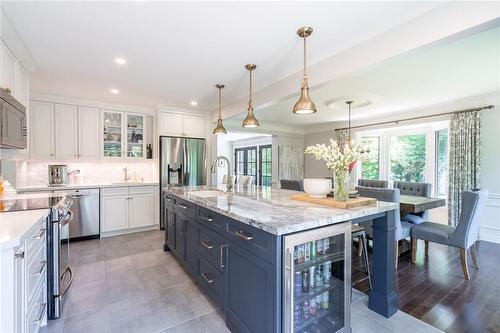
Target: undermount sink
{"points": [[209, 193]]}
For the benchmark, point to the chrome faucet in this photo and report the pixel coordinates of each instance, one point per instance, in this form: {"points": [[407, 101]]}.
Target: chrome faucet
{"points": [[229, 184], [126, 177]]}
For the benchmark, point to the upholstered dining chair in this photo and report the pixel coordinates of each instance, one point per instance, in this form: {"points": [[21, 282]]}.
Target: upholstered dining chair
{"points": [[403, 228], [245, 180], [373, 183], [227, 178], [416, 189], [464, 235], [296, 185]]}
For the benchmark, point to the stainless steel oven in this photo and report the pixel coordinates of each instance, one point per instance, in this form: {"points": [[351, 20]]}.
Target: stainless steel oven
{"points": [[60, 275]]}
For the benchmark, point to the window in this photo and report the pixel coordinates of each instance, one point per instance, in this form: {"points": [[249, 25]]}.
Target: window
{"points": [[245, 160], [441, 171], [370, 169], [265, 165], [407, 158]]}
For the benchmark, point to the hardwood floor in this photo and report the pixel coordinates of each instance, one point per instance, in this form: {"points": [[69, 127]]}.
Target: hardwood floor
{"points": [[435, 291]]}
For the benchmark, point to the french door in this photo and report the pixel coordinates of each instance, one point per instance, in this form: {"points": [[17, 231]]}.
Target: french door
{"points": [[245, 160], [265, 165]]}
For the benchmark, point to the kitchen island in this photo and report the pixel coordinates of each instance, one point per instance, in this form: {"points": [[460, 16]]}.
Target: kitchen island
{"points": [[243, 246]]}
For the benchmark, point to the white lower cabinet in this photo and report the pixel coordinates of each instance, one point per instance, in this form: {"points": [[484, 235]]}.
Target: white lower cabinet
{"points": [[128, 209], [23, 280]]}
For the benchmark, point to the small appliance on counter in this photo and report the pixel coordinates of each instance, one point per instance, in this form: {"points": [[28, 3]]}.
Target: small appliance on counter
{"points": [[58, 174]]}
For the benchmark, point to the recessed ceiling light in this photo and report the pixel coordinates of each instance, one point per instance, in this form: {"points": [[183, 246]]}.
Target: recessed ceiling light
{"points": [[114, 91], [193, 103], [120, 61]]}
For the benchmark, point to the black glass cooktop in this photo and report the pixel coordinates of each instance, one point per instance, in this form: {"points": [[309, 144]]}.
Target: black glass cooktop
{"points": [[13, 205]]}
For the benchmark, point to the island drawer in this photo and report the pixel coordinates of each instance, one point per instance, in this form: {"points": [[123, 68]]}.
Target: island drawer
{"points": [[210, 245], [184, 207], [211, 219], [211, 280], [259, 242]]}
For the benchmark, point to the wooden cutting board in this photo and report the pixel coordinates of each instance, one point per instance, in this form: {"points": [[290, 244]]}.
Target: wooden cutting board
{"points": [[328, 201]]}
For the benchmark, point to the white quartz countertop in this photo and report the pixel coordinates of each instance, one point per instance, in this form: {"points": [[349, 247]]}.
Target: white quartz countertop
{"points": [[83, 186], [272, 210], [15, 225]]}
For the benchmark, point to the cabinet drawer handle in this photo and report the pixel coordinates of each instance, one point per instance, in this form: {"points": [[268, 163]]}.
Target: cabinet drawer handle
{"points": [[40, 317], [207, 244], [222, 256], [42, 266], [241, 235], [168, 199], [19, 255], [207, 218], [40, 234], [182, 206], [207, 278]]}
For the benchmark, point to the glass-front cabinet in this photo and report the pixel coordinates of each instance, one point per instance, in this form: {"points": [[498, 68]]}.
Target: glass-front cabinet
{"points": [[123, 135], [135, 135], [317, 280], [112, 134]]}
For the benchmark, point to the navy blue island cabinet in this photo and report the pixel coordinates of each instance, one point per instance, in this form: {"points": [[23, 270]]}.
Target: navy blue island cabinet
{"points": [[263, 283]]}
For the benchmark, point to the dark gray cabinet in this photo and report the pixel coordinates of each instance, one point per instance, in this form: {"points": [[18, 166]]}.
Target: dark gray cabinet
{"points": [[238, 266], [168, 222], [249, 292]]}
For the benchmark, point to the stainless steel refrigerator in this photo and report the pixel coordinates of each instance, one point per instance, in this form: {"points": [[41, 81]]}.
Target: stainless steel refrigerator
{"points": [[183, 162]]}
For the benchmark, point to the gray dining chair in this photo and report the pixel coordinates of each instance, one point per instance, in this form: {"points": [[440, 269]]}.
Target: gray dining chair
{"points": [[416, 189], [464, 236], [403, 228], [296, 185], [373, 183]]}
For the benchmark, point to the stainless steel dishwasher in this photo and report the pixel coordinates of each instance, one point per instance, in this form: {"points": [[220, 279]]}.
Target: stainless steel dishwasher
{"points": [[85, 209]]}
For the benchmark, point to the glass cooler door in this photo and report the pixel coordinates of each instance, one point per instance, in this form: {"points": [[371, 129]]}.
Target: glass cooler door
{"points": [[317, 280]]}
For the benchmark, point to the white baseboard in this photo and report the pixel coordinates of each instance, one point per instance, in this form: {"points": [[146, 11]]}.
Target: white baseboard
{"points": [[129, 231]]}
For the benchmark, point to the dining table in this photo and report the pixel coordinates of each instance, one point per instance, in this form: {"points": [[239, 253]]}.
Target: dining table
{"points": [[410, 204]]}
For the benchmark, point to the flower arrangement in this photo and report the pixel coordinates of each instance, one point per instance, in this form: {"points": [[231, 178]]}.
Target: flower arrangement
{"points": [[340, 160]]}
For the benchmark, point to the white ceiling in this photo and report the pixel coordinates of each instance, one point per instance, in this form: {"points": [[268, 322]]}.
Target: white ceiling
{"points": [[177, 51], [449, 71], [236, 136]]}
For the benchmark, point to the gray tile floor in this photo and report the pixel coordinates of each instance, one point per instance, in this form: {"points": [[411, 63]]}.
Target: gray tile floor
{"points": [[128, 284]]}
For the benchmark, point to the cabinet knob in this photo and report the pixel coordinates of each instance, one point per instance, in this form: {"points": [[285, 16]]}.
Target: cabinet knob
{"points": [[19, 255]]}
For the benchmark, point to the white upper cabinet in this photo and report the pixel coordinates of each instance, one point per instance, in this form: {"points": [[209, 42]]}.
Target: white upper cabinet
{"points": [[9, 69], [194, 126], [171, 124], [178, 124], [41, 130], [23, 86], [66, 145], [88, 133]]}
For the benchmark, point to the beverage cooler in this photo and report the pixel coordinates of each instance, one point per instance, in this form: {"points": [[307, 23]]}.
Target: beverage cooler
{"points": [[317, 280]]}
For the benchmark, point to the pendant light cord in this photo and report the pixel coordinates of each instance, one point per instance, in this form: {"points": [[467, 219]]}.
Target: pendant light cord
{"points": [[250, 94], [220, 104], [304, 75]]}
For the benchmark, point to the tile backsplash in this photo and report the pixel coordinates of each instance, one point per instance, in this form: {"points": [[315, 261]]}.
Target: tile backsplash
{"points": [[31, 174]]}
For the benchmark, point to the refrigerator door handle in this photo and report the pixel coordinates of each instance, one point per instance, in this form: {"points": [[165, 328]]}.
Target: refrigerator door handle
{"points": [[289, 284], [184, 163]]}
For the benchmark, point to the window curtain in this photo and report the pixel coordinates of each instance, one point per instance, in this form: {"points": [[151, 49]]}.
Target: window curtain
{"points": [[464, 159]]}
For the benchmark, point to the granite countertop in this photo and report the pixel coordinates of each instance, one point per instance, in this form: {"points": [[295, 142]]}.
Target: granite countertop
{"points": [[35, 188], [15, 225], [271, 210]]}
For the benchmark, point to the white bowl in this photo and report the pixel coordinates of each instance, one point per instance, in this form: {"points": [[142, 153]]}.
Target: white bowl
{"points": [[317, 187]]}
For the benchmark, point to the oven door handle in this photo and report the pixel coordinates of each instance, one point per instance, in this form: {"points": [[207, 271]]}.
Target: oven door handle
{"points": [[68, 218]]}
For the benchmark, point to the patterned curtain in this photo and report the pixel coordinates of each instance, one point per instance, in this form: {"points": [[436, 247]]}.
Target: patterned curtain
{"points": [[465, 158]]}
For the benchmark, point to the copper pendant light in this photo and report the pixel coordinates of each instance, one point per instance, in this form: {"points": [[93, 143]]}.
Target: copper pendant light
{"points": [[250, 121], [304, 105], [219, 129]]}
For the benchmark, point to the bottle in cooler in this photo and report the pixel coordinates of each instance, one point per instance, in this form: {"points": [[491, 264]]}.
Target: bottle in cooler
{"points": [[313, 250], [327, 271], [319, 247], [312, 277], [305, 310], [325, 300], [307, 252], [300, 254], [297, 315], [318, 276], [305, 281], [312, 307], [297, 284], [318, 302], [295, 254], [326, 245]]}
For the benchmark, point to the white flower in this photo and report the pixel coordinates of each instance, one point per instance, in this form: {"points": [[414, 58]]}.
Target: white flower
{"points": [[336, 159]]}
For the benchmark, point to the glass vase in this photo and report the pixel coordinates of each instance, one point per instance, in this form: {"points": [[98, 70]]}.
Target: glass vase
{"points": [[341, 185]]}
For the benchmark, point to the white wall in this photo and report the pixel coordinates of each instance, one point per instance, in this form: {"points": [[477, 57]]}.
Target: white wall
{"points": [[312, 167], [490, 178]]}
